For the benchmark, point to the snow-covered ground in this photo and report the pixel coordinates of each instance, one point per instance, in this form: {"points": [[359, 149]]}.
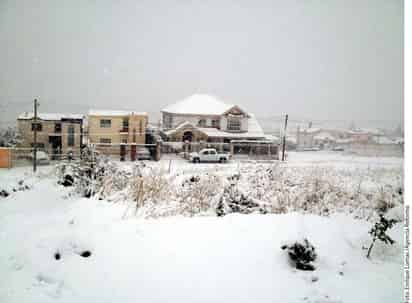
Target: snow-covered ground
{"points": [[235, 258]]}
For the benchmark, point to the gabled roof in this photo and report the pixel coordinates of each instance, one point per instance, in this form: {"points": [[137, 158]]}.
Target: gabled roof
{"points": [[112, 113], [183, 125], [49, 116], [200, 104]]}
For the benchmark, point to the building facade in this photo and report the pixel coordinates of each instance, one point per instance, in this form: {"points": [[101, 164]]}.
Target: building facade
{"points": [[112, 131], [206, 118], [57, 134]]}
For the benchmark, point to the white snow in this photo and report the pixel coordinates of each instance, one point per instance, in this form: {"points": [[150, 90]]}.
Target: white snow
{"points": [[236, 258], [94, 112], [199, 104], [49, 116]]}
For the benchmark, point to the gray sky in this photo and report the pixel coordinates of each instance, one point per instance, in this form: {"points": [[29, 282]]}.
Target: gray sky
{"points": [[335, 60]]}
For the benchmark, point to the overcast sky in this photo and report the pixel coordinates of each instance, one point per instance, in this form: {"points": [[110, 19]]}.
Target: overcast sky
{"points": [[321, 59]]}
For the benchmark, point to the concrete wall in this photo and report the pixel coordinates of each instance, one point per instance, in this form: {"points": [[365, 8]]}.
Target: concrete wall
{"points": [[25, 129], [137, 129]]}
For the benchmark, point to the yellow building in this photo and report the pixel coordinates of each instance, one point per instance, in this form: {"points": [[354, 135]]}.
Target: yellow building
{"points": [[111, 128]]}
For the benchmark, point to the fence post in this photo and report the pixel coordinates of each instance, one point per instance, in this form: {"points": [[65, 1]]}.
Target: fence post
{"points": [[158, 151], [186, 149]]}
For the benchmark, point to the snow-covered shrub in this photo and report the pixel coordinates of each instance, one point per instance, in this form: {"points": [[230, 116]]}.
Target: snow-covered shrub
{"points": [[385, 199], [86, 174], [233, 200], [302, 254], [197, 193], [151, 186], [10, 137], [378, 232]]}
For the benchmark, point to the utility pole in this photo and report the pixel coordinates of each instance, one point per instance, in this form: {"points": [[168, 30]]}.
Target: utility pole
{"points": [[284, 138], [35, 137]]}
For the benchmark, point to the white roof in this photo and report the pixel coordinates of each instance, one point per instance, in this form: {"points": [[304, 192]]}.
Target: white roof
{"points": [[324, 136], [49, 116], [310, 130], [93, 112], [199, 104]]}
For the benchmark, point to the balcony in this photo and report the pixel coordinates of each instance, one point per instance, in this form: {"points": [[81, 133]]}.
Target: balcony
{"points": [[124, 130]]}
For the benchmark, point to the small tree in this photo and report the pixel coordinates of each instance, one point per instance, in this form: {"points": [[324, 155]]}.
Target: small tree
{"points": [[378, 232]]}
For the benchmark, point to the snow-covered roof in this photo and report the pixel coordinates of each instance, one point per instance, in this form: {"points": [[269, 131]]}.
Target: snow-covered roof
{"points": [[310, 130], [324, 136], [94, 112], [272, 138], [199, 104], [49, 116], [182, 125]]}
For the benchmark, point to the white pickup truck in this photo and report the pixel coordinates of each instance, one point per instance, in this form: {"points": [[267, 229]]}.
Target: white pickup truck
{"points": [[208, 155]]}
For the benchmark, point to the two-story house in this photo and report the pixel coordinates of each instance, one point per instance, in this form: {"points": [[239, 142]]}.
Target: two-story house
{"points": [[116, 128], [207, 118], [56, 133]]}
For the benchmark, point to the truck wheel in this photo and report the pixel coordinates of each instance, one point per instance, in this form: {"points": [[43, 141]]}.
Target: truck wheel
{"points": [[196, 160], [222, 160]]}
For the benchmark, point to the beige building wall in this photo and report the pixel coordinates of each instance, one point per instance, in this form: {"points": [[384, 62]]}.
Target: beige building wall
{"points": [[136, 132], [24, 126]]}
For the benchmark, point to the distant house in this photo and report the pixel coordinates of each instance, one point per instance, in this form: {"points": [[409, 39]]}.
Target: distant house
{"points": [[305, 138], [115, 127], [207, 118], [56, 133]]}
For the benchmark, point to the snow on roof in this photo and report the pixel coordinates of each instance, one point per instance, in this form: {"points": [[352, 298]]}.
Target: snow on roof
{"points": [[180, 126], [310, 130], [199, 104], [49, 116], [324, 136], [272, 138], [93, 112], [254, 130]]}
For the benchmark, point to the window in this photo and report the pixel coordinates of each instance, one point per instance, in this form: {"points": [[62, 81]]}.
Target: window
{"points": [[215, 123], [37, 125], [212, 152], [105, 140], [126, 124], [70, 135], [167, 120], [105, 123], [233, 124], [57, 128], [141, 128], [206, 152], [202, 123]]}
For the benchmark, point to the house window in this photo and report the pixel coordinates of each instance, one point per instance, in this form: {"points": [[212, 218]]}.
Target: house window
{"points": [[233, 124], [70, 136], [105, 123], [141, 128], [167, 121], [215, 123], [202, 123], [105, 140], [125, 124], [58, 128], [37, 126]]}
